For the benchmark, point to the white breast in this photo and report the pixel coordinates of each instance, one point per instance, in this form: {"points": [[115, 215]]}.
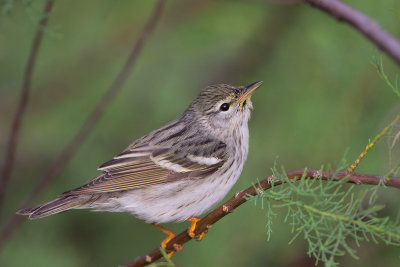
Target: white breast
{"points": [[177, 201]]}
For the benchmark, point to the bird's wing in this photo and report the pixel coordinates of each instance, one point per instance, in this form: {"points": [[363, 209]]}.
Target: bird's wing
{"points": [[150, 165]]}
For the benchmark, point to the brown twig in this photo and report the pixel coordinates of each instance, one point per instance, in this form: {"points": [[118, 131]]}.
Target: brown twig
{"points": [[239, 198], [9, 156], [70, 149], [362, 23]]}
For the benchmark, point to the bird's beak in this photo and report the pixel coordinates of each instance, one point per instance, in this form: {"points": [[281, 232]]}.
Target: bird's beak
{"points": [[248, 91]]}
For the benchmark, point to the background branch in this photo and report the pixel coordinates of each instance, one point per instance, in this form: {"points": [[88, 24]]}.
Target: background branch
{"points": [[23, 101], [198, 47], [239, 198], [362, 23], [71, 148]]}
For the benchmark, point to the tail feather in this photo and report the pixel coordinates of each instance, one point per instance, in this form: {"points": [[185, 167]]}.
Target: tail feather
{"points": [[56, 206]]}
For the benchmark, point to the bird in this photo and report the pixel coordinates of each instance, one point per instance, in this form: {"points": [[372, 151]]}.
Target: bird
{"points": [[176, 172]]}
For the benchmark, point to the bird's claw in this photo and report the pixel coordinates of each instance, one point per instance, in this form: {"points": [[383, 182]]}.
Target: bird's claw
{"points": [[191, 231]]}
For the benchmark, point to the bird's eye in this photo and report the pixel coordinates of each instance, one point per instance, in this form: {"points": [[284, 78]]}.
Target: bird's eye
{"points": [[224, 107]]}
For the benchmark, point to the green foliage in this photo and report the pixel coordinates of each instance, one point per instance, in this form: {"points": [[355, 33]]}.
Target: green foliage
{"points": [[315, 102], [161, 264], [392, 138], [378, 63], [330, 215], [167, 263]]}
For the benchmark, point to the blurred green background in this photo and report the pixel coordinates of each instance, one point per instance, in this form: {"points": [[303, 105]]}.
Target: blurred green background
{"points": [[321, 95]]}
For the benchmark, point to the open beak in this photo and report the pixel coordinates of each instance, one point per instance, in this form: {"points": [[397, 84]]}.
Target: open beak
{"points": [[248, 91]]}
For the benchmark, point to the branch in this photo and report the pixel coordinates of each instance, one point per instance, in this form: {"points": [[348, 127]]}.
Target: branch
{"points": [[368, 27], [71, 148], [371, 144], [9, 156], [239, 198]]}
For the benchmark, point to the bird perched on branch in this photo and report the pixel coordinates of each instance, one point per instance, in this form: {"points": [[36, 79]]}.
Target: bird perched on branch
{"points": [[176, 172]]}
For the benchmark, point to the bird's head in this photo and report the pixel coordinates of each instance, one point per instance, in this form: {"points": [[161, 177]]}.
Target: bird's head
{"points": [[224, 107]]}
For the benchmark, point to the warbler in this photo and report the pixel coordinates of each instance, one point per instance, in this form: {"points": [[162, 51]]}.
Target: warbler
{"points": [[176, 172]]}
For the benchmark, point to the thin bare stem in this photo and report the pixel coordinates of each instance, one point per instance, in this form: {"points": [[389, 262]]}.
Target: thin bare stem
{"points": [[362, 23], [70, 149], [239, 198], [392, 172], [23, 101], [371, 144]]}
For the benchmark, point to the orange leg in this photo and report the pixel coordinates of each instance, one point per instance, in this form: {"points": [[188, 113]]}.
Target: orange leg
{"points": [[193, 221], [170, 235]]}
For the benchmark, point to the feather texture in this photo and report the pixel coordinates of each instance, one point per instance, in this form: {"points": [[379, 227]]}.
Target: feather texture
{"points": [[150, 165], [56, 206], [175, 172]]}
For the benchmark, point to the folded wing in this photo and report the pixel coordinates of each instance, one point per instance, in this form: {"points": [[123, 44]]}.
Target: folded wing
{"points": [[151, 165]]}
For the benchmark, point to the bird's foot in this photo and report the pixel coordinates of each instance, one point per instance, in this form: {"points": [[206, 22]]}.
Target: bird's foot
{"points": [[170, 236], [193, 221]]}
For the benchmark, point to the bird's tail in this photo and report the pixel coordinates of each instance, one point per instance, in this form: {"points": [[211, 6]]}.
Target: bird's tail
{"points": [[57, 205]]}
